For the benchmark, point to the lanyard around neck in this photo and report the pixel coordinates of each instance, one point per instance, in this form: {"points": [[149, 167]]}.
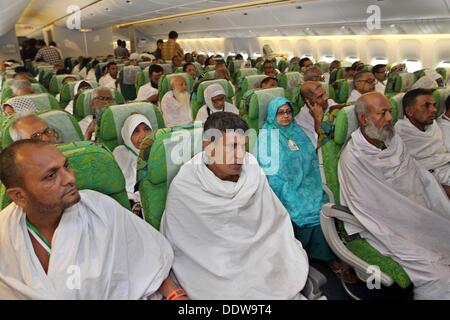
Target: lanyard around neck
{"points": [[40, 238]]}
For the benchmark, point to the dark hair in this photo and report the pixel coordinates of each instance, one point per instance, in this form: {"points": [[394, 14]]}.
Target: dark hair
{"points": [[267, 79], [119, 42], [10, 171], [224, 121], [268, 61], [52, 43], [173, 35], [378, 67], [94, 63], [447, 103], [347, 69], [41, 43], [187, 65], [20, 70], [155, 68], [159, 41], [239, 57], [410, 97], [112, 63], [359, 74], [303, 60]]}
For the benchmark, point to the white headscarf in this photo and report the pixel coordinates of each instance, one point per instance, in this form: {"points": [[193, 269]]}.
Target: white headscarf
{"points": [[134, 56], [21, 104], [267, 50], [130, 124], [212, 91], [428, 81], [246, 64]]}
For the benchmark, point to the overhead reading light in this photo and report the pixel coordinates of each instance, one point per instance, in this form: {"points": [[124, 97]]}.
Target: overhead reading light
{"points": [[245, 14], [299, 7], [129, 1], [234, 7]]}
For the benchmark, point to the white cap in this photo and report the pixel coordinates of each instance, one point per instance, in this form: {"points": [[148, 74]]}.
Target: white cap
{"points": [[134, 56]]}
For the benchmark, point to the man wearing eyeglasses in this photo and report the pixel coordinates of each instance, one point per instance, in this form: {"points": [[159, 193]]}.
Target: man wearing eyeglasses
{"points": [[364, 82], [380, 74], [101, 98], [32, 127]]}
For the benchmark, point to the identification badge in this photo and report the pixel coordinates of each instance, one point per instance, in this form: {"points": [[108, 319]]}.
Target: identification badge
{"points": [[292, 145]]}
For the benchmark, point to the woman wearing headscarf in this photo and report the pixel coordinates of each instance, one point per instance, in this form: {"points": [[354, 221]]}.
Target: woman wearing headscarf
{"points": [[246, 64], [135, 128], [215, 101], [290, 162], [19, 104], [80, 86], [431, 80]]}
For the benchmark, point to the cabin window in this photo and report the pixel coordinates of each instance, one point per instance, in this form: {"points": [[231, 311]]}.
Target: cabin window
{"points": [[378, 60], [444, 64], [327, 59], [413, 65]]}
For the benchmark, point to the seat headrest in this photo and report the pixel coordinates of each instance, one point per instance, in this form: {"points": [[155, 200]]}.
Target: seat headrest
{"points": [[345, 124]]}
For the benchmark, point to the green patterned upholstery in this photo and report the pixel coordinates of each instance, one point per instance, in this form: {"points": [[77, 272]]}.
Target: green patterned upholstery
{"points": [[210, 68], [172, 148], [343, 90], [257, 112], [345, 124], [64, 123], [210, 75], [56, 82], [403, 81], [291, 82], [7, 92], [337, 74], [198, 98], [164, 84], [66, 94], [396, 103], [198, 68], [282, 65], [111, 122], [82, 107], [248, 83], [242, 73], [178, 70], [295, 67], [440, 95], [44, 101], [142, 78], [419, 74], [94, 168]]}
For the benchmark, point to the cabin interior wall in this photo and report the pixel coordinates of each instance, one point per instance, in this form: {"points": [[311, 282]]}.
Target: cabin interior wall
{"points": [[9, 46]]}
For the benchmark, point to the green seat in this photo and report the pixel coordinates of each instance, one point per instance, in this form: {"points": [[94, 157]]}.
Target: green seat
{"points": [[396, 103], [94, 168], [248, 83], [257, 112], [242, 73], [82, 108], [198, 98], [111, 122], [342, 90], [291, 82], [345, 124], [142, 78], [178, 70], [45, 75], [403, 81], [56, 82], [234, 66], [172, 148], [283, 65], [209, 68], [336, 74], [419, 74], [44, 101], [440, 95], [210, 75], [198, 68], [445, 73], [322, 65], [7, 92], [164, 84], [64, 123], [145, 64], [294, 68], [98, 69], [128, 89], [66, 94]]}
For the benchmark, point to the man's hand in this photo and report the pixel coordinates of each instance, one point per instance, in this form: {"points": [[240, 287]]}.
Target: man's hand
{"points": [[90, 130], [317, 113]]}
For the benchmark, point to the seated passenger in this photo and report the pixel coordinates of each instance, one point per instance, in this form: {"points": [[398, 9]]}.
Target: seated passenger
{"points": [[188, 58], [358, 66], [176, 62], [269, 82], [269, 70], [201, 59], [304, 64], [149, 91], [364, 82], [432, 80], [247, 64], [133, 60], [190, 69], [336, 64], [444, 123], [176, 105], [404, 211], [101, 97], [19, 104], [135, 128], [21, 73], [422, 135], [21, 88], [79, 87], [349, 73], [97, 248], [215, 100], [91, 73], [380, 74], [111, 78], [232, 237], [30, 126], [313, 74]]}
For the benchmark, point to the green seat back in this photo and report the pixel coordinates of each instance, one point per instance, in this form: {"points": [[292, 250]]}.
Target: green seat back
{"points": [[44, 101], [290, 82], [234, 66], [66, 94], [242, 73], [128, 90], [56, 82], [198, 98], [257, 112], [82, 107], [440, 95], [248, 83], [98, 69], [294, 67], [111, 122], [178, 70], [94, 168], [210, 75], [282, 65], [342, 90], [198, 68], [144, 64], [164, 84], [445, 73], [396, 103], [7, 92], [403, 81], [64, 123], [419, 74], [172, 148], [142, 78], [322, 65], [336, 74]]}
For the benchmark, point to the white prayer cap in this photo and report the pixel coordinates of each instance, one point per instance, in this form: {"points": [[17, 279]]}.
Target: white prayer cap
{"points": [[134, 56], [21, 104], [148, 56], [212, 91]]}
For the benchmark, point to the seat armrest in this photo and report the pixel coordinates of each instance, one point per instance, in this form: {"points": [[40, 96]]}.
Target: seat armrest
{"points": [[341, 213], [314, 284]]}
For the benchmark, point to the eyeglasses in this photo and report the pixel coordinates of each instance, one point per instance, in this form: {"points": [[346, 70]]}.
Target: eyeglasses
{"points": [[282, 113], [102, 98], [369, 81], [49, 132]]}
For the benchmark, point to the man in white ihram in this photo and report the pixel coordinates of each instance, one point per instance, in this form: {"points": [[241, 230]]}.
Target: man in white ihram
{"points": [[232, 237], [403, 209], [58, 243], [175, 105]]}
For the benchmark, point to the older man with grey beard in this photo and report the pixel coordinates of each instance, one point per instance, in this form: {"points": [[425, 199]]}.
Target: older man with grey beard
{"points": [[175, 105], [403, 209]]}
